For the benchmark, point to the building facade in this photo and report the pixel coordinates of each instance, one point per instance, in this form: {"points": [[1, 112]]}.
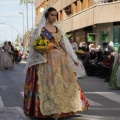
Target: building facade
{"points": [[95, 21]]}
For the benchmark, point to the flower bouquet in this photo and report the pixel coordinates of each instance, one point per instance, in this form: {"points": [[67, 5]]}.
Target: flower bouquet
{"points": [[81, 54], [42, 45], [80, 51]]}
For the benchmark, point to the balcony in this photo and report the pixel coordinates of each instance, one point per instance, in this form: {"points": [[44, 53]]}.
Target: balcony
{"points": [[101, 12]]}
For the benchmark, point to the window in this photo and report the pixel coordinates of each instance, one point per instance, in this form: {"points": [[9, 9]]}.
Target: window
{"points": [[116, 37], [68, 10], [91, 37]]}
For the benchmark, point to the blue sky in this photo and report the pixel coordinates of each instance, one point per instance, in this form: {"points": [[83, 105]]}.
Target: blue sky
{"points": [[9, 14]]}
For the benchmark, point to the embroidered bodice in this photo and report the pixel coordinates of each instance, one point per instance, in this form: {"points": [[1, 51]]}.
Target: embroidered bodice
{"points": [[57, 36]]}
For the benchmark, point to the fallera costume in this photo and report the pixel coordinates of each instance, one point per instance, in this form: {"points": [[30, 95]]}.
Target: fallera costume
{"points": [[51, 88], [6, 58], [114, 81]]}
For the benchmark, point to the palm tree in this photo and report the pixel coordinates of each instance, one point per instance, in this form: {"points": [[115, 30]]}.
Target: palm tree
{"points": [[25, 1], [27, 35]]}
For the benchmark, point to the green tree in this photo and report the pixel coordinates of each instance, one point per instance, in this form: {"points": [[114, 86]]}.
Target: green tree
{"points": [[17, 42], [27, 38]]}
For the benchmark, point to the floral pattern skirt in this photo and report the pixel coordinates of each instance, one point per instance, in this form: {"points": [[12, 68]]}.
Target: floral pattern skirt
{"points": [[52, 90]]}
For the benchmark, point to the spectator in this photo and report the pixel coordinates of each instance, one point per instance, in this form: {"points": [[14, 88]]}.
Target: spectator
{"points": [[108, 48], [74, 44]]}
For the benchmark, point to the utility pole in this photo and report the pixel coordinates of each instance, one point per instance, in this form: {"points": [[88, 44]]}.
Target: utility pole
{"points": [[27, 15], [32, 3], [22, 13]]}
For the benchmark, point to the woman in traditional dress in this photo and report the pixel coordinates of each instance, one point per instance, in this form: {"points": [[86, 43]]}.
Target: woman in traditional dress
{"points": [[6, 58], [1, 52], [51, 88], [79, 70], [114, 81]]}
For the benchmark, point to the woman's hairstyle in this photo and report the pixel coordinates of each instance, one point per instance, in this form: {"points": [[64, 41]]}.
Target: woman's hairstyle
{"points": [[5, 42], [48, 11], [105, 43]]}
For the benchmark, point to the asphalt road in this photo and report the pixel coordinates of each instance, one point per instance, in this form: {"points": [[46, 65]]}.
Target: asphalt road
{"points": [[104, 101]]}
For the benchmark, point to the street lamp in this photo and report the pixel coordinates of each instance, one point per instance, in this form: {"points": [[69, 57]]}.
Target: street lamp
{"points": [[23, 23], [41, 10], [28, 1], [10, 22], [14, 28], [32, 3], [22, 13]]}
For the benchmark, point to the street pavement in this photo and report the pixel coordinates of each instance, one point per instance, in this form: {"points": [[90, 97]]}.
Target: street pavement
{"points": [[104, 101]]}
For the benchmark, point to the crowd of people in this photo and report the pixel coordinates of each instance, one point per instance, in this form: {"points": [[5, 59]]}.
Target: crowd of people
{"points": [[101, 62], [97, 62]]}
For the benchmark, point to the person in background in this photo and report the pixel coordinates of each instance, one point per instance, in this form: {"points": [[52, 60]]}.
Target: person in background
{"points": [[1, 52], [104, 67], [84, 47], [114, 81], [79, 70], [109, 48], [91, 47], [90, 63], [15, 55], [6, 58], [11, 50], [99, 53], [19, 55], [74, 44]]}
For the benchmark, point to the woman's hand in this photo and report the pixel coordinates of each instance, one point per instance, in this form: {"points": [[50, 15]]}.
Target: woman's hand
{"points": [[76, 63]]}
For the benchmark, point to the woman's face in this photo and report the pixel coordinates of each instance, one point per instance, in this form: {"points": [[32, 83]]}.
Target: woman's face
{"points": [[52, 16], [71, 40], [5, 43]]}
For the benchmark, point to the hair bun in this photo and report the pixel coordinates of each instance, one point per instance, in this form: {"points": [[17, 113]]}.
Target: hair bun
{"points": [[48, 11]]}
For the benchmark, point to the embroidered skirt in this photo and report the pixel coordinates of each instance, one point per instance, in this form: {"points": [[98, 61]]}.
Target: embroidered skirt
{"points": [[52, 90]]}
